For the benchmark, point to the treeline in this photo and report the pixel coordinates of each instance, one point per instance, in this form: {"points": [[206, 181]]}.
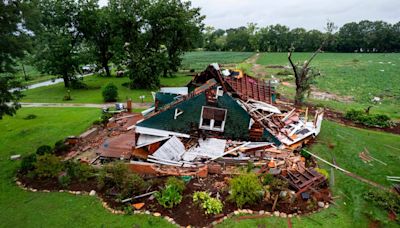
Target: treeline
{"points": [[365, 36]]}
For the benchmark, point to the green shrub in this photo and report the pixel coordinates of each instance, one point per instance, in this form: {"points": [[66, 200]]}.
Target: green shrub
{"points": [[28, 163], [278, 184], [79, 171], [110, 92], [176, 183], [61, 147], [168, 197], [245, 189], [64, 180], [323, 172], [209, 204], [119, 177], [47, 166], [105, 116], [267, 178], [44, 149], [370, 120], [385, 200]]}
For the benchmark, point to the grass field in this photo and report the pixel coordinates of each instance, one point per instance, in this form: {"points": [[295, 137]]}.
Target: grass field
{"points": [[362, 76], [22, 209], [55, 93], [199, 60]]}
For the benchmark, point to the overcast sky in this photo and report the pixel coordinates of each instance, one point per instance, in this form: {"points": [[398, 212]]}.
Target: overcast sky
{"points": [[309, 14]]}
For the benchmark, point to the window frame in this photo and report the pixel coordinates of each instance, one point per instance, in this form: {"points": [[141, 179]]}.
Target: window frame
{"points": [[211, 127]]}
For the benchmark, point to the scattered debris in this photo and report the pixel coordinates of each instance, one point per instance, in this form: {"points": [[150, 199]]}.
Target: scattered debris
{"points": [[15, 157]]}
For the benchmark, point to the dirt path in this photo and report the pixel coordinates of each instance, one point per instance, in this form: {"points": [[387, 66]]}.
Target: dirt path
{"points": [[257, 69], [84, 105]]}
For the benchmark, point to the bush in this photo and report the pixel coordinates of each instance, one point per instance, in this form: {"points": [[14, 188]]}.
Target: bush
{"points": [[61, 147], [47, 166], [323, 172], [169, 196], [384, 200], [176, 183], [370, 120], [245, 188], [278, 184], [79, 171], [267, 178], [110, 92], [119, 177], [64, 180], [28, 163], [105, 116], [44, 149], [209, 204]]}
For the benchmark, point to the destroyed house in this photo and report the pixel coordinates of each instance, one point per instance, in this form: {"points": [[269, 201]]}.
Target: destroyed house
{"points": [[206, 111]]}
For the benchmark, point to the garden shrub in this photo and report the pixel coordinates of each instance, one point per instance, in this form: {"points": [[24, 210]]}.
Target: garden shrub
{"points": [[28, 163], [245, 189], [169, 196], [119, 177], [209, 204], [105, 116], [64, 180], [61, 147], [370, 120], [110, 92], [47, 166], [79, 171], [323, 172], [44, 149], [278, 184], [385, 200], [267, 178], [176, 183]]}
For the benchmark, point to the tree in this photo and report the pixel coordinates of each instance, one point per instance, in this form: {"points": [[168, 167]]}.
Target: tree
{"points": [[59, 38], [95, 26], [304, 76], [14, 42]]}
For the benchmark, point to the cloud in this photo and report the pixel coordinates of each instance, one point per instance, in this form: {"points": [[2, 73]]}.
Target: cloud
{"points": [[309, 14]]}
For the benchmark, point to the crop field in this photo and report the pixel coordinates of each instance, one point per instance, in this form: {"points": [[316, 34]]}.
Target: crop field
{"points": [[355, 76], [199, 60], [21, 209]]}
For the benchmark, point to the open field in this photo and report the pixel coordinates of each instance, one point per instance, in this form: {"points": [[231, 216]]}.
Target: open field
{"points": [[359, 76], [21, 209], [199, 60]]}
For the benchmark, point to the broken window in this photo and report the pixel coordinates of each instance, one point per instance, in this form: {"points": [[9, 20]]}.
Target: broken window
{"points": [[212, 118]]}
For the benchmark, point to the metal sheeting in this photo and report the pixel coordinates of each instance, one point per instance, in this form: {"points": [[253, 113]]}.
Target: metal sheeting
{"points": [[210, 147], [175, 90], [171, 150], [145, 140]]}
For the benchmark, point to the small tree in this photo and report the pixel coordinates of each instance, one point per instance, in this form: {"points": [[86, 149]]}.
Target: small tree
{"points": [[304, 76], [110, 92]]}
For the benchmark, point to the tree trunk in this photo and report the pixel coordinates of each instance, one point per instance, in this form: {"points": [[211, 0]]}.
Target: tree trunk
{"points": [[66, 81], [298, 99], [23, 69], [106, 68]]}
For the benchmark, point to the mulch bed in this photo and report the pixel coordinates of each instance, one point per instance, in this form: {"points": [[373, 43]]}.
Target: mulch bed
{"points": [[186, 213]]}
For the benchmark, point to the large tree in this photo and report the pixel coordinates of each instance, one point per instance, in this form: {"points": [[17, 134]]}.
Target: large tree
{"points": [[58, 38], [14, 42], [95, 25]]}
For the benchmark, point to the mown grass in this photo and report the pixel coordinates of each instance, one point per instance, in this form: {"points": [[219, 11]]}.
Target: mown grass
{"points": [[199, 60], [362, 76], [56, 93], [19, 208]]}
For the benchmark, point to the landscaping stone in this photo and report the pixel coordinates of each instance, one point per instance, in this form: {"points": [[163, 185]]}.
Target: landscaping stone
{"points": [[261, 212], [327, 206], [321, 204], [156, 214], [283, 215], [92, 193], [276, 213]]}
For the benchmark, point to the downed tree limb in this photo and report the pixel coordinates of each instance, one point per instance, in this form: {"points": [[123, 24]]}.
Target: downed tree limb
{"points": [[137, 197], [355, 176]]}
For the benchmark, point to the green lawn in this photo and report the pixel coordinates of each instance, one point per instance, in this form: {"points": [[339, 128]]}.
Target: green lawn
{"points": [[34, 76], [55, 93], [362, 76], [199, 60], [21, 209]]}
